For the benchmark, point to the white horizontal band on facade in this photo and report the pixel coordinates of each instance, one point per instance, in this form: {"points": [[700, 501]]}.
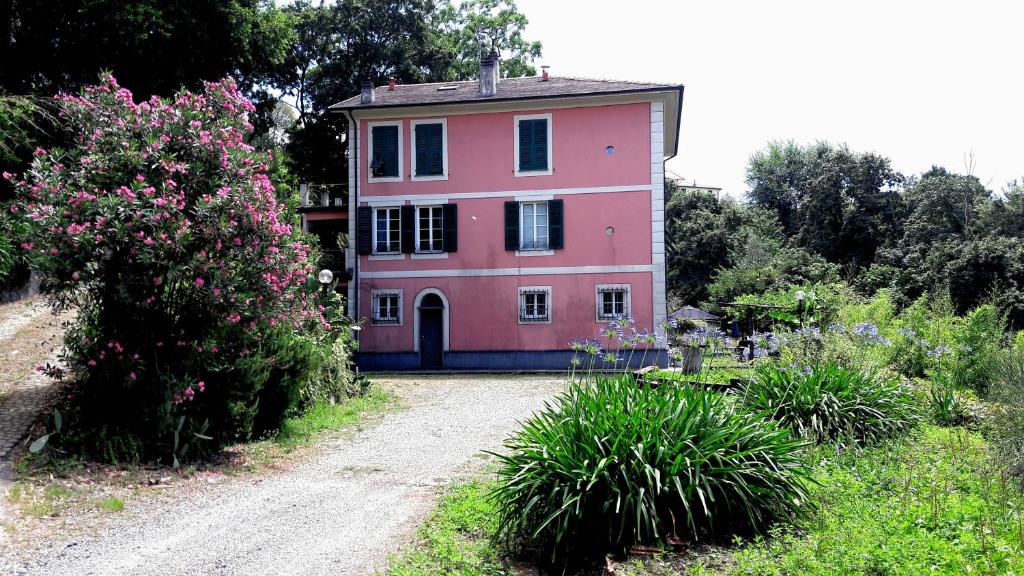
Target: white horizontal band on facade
{"points": [[517, 194], [478, 272]]}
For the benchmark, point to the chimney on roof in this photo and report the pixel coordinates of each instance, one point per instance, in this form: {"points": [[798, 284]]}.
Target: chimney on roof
{"points": [[489, 74], [367, 95], [391, 83], [544, 73]]}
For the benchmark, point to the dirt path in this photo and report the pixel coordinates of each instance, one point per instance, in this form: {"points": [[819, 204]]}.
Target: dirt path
{"points": [[341, 512]]}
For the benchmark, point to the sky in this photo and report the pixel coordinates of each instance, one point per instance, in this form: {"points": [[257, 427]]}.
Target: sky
{"points": [[923, 83]]}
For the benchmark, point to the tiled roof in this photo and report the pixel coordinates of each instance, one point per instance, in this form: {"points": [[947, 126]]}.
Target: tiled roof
{"points": [[508, 89]]}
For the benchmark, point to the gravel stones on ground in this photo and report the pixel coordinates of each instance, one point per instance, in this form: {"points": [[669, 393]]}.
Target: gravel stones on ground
{"points": [[341, 512]]}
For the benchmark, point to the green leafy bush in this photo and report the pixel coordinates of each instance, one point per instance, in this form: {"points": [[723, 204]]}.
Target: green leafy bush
{"points": [[831, 404], [609, 464], [199, 321]]}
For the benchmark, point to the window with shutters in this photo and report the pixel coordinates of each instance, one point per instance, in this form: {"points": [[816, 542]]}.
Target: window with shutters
{"points": [[387, 231], [429, 229], [430, 149], [533, 155], [386, 307], [612, 301], [534, 304], [385, 152], [533, 229]]}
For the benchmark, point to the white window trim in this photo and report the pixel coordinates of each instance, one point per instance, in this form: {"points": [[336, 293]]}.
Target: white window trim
{"points": [[398, 252], [441, 231], [519, 304], [538, 251], [515, 146], [627, 303], [401, 151], [374, 294], [444, 149]]}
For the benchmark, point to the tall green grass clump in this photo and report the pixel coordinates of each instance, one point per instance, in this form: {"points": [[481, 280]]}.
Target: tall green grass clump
{"points": [[832, 404], [609, 464]]}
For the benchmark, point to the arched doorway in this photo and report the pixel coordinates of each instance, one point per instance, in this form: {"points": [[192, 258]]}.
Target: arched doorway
{"points": [[431, 314]]}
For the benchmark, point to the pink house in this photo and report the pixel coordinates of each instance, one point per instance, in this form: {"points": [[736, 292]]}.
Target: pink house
{"points": [[493, 221]]}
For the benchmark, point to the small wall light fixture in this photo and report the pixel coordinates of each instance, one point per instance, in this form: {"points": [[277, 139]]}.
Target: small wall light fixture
{"points": [[609, 150], [610, 231]]}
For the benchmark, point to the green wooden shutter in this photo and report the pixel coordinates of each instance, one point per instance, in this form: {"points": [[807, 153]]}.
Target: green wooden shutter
{"points": [[525, 145], [450, 218], [384, 163], [364, 229], [540, 144], [436, 143], [408, 226], [511, 225], [429, 150], [533, 145], [556, 224], [422, 152]]}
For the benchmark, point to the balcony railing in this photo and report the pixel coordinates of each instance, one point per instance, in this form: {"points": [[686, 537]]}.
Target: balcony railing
{"points": [[324, 196]]}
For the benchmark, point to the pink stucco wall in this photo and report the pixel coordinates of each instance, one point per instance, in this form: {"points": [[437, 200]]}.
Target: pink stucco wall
{"points": [[587, 243], [481, 152], [484, 312]]}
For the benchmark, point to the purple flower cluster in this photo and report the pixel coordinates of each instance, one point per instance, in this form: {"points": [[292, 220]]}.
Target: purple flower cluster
{"points": [[869, 333]]}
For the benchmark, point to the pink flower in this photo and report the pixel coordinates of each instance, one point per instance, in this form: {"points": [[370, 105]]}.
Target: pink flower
{"points": [[91, 362], [157, 280], [200, 281], [75, 276], [133, 376], [202, 386]]}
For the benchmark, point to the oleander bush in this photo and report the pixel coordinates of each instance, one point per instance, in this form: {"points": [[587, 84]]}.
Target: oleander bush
{"points": [[609, 464], [830, 403], [199, 321]]}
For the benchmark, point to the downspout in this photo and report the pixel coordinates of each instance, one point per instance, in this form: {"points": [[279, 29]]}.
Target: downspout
{"points": [[353, 203]]}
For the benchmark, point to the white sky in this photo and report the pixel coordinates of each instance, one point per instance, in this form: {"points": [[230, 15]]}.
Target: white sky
{"points": [[920, 82]]}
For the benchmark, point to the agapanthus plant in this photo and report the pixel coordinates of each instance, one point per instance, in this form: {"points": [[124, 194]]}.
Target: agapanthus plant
{"points": [[161, 226]]}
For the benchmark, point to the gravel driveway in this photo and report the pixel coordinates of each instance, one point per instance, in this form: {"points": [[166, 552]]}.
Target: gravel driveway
{"points": [[340, 512]]}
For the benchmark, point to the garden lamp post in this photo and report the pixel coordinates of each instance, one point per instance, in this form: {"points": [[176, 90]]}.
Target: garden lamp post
{"points": [[325, 277]]}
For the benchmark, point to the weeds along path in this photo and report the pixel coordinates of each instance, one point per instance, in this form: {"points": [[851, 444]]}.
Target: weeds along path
{"points": [[341, 512]]}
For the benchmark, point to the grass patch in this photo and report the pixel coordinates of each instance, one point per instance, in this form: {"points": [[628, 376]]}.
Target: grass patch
{"points": [[933, 503], [14, 493], [323, 417], [456, 538], [930, 503], [111, 504], [58, 492]]}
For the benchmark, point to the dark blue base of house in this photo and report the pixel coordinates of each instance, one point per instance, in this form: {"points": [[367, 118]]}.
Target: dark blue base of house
{"points": [[496, 361]]}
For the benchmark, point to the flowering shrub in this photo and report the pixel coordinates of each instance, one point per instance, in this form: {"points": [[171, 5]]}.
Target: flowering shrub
{"points": [[161, 226]]}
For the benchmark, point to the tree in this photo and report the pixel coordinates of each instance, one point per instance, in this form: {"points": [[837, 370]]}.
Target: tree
{"points": [[154, 46], [701, 231], [840, 204], [475, 27]]}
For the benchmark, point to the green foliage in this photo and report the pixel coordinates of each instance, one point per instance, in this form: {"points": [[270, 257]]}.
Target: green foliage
{"points": [[932, 503], [977, 341], [832, 404], [455, 539], [61, 46], [609, 464], [946, 404], [198, 317], [836, 203], [470, 28], [323, 416], [702, 231]]}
